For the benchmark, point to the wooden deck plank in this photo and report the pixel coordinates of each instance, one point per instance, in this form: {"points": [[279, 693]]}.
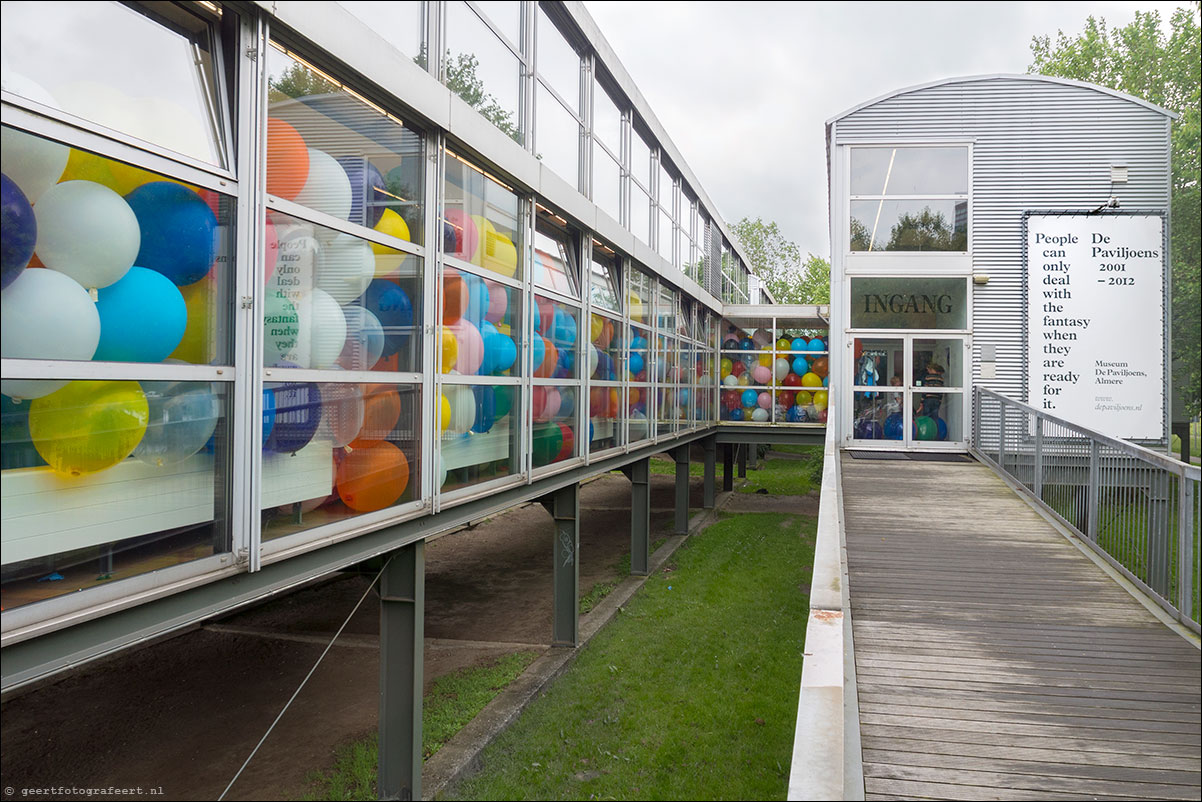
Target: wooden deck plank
{"points": [[995, 661]]}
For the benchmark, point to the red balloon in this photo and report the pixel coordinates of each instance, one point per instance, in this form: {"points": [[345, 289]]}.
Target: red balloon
{"points": [[738, 369], [786, 397], [569, 443], [792, 380], [465, 234], [598, 403], [454, 297], [546, 315], [859, 349]]}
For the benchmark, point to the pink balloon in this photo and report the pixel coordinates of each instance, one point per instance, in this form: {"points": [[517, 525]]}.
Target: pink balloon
{"points": [[463, 229], [471, 346], [498, 301], [554, 400], [765, 400], [761, 374]]}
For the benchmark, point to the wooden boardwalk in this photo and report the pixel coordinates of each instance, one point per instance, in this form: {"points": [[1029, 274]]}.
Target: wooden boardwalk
{"points": [[994, 660]]}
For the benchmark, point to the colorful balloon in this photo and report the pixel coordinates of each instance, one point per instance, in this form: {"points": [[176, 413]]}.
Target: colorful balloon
{"points": [[18, 231], [373, 477], [297, 417], [88, 232], [45, 315], [142, 318], [88, 426], [182, 418], [34, 164], [287, 160], [178, 231], [326, 189]]}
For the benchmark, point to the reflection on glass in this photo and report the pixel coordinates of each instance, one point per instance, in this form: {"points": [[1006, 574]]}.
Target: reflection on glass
{"points": [[909, 225], [111, 64], [557, 135], [607, 183], [481, 331], [640, 159], [877, 415], [909, 171], [330, 151], [158, 255], [665, 309], [604, 279], [556, 328], [605, 417], [554, 258], [480, 224], [664, 243], [938, 417], [105, 480], [938, 363], [640, 296], [337, 302], [607, 119], [878, 362], [400, 22], [640, 214], [480, 68], [505, 15], [333, 451], [480, 434], [557, 62], [605, 348]]}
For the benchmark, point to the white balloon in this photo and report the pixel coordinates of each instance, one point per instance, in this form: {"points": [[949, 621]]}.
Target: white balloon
{"points": [[341, 413], [594, 358], [759, 414], [327, 189], [322, 331], [88, 232], [345, 266], [463, 407], [296, 262], [33, 163], [45, 315], [364, 339]]}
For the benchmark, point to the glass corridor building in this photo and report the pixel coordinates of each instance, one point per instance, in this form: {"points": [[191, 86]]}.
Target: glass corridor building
{"points": [[283, 278]]}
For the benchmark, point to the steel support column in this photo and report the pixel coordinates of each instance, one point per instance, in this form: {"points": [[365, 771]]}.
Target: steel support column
{"points": [[402, 631], [639, 474], [743, 460], [564, 506], [728, 467], [708, 497], [681, 455]]}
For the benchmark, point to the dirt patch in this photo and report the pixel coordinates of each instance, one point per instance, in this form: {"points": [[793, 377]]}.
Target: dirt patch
{"points": [[754, 502], [184, 714]]}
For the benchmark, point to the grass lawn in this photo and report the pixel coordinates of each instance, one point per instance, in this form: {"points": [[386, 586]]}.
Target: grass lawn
{"points": [[784, 477], [690, 693]]}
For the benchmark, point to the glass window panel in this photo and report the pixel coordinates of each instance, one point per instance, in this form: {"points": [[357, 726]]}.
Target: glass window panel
{"points": [[664, 245], [878, 362], [555, 259], [105, 480], [640, 159], [554, 436], [481, 331], [558, 326], [337, 450], [504, 14], [877, 416], [640, 296], [605, 348], [938, 363], [909, 303], [667, 189], [607, 119], [665, 310], [156, 253], [337, 302], [481, 221], [330, 151], [681, 254], [604, 279], [938, 417], [481, 436], [557, 135], [558, 62], [909, 171], [111, 64], [481, 69], [605, 417], [399, 22], [640, 214], [641, 357], [607, 183], [909, 225]]}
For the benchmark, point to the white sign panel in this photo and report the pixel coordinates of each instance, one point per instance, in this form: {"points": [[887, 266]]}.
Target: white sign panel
{"points": [[1095, 321]]}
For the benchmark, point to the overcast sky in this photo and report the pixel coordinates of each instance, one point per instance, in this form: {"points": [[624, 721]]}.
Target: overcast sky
{"points": [[745, 89]]}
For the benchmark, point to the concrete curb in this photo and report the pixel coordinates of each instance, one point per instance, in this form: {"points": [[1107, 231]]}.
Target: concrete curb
{"points": [[460, 756]]}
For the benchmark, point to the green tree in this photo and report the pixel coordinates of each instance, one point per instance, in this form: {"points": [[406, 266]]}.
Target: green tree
{"points": [[461, 78], [299, 81], [926, 231], [1141, 60], [777, 261]]}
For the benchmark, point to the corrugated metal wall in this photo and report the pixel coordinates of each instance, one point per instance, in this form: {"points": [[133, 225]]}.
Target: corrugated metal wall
{"points": [[1037, 145]]}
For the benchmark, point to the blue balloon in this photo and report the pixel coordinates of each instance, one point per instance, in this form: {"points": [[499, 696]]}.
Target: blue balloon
{"points": [[268, 412], [816, 345], [19, 228], [868, 429], [142, 318], [477, 299], [178, 231], [391, 306], [297, 416], [638, 343], [735, 414], [592, 435], [796, 414], [826, 381], [684, 396], [539, 347], [746, 344], [798, 344], [538, 318], [499, 353], [486, 410], [894, 426], [800, 366], [750, 397], [567, 403], [941, 425], [366, 183], [563, 330], [636, 364]]}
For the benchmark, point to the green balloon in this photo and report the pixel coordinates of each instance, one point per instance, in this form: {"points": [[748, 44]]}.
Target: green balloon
{"points": [[927, 428], [548, 439], [502, 401]]}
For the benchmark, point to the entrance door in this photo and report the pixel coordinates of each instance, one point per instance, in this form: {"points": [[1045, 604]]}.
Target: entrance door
{"points": [[908, 390]]}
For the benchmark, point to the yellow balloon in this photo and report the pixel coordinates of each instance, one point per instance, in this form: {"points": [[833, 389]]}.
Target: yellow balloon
{"points": [[88, 426], [596, 324], [450, 350], [636, 307], [199, 345], [811, 380], [766, 360], [388, 260], [500, 254], [444, 414], [820, 399], [120, 177]]}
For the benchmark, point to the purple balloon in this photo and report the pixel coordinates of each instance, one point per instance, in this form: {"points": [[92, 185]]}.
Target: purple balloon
{"points": [[20, 231], [297, 416], [368, 190]]}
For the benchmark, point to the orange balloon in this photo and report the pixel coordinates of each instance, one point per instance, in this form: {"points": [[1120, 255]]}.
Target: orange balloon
{"points": [[613, 401], [388, 364], [550, 360], [381, 411], [820, 366], [607, 334], [372, 477], [634, 395], [454, 297], [287, 159]]}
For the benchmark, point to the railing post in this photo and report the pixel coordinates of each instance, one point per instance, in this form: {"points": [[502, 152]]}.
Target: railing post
{"points": [[1159, 532], [1001, 435], [1094, 502], [1185, 547], [1037, 467]]}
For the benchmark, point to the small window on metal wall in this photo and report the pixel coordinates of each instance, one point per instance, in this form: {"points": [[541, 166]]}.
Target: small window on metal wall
{"points": [[556, 264], [147, 70], [605, 284], [909, 199]]}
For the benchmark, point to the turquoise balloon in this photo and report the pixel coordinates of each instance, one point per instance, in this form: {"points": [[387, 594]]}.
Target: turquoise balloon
{"points": [[183, 416], [142, 318], [750, 397], [816, 345], [539, 347], [798, 344], [800, 366]]}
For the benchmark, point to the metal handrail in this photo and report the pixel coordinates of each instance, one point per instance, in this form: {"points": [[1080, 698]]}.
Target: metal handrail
{"points": [[1074, 472]]}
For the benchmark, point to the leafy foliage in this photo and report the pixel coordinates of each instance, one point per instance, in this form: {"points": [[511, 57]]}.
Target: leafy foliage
{"points": [[461, 78], [299, 81], [777, 261], [1141, 60]]}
